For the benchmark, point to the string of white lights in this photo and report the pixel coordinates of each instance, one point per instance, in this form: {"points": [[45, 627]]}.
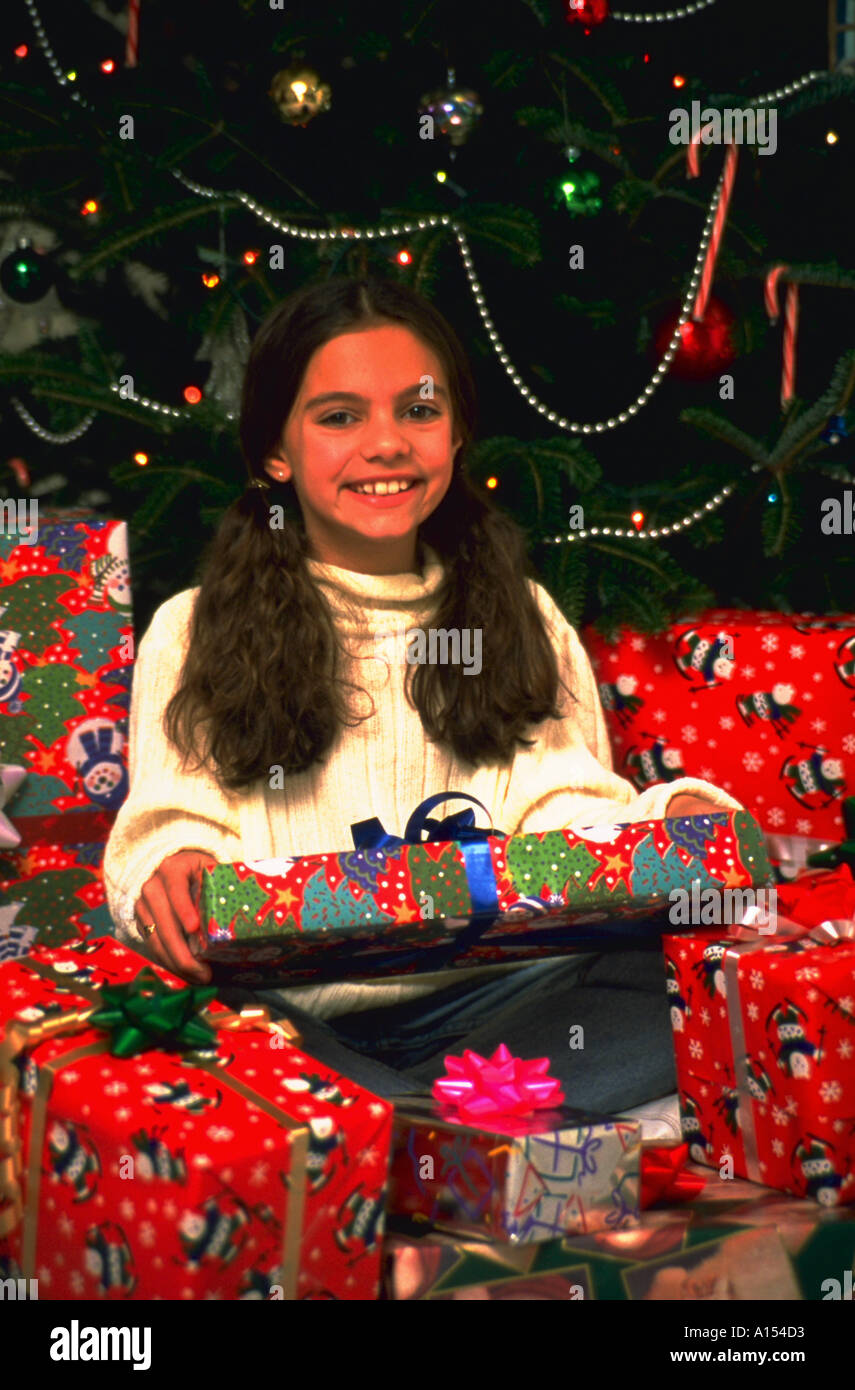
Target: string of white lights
{"points": [[663, 16], [653, 533], [398, 229], [49, 437]]}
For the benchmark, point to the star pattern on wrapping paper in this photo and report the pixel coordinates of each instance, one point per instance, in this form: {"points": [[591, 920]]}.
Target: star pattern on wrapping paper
{"points": [[280, 900]]}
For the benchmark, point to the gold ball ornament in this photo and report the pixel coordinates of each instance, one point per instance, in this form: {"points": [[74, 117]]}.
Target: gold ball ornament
{"points": [[299, 95]]}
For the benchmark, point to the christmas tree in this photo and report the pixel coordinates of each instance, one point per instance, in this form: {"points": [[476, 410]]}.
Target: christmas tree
{"points": [[635, 219]]}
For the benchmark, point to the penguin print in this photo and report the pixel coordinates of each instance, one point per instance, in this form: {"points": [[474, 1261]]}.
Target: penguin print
{"points": [[361, 1223], [793, 1050], [621, 700], [822, 1181], [692, 1130], [323, 1088], [844, 666], [656, 763], [216, 1233], [809, 778], [108, 1259], [155, 1160], [179, 1093], [679, 1006], [73, 1159], [710, 971], [775, 708], [707, 660]]}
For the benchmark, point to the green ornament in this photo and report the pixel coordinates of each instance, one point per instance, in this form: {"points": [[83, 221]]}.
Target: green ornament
{"points": [[25, 275], [145, 1013]]}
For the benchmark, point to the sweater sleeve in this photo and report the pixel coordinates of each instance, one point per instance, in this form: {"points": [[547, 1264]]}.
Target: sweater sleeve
{"points": [[568, 778], [167, 807]]}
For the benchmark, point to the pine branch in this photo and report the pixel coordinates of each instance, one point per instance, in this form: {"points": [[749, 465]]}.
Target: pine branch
{"points": [[728, 433], [115, 250], [810, 423], [605, 92]]}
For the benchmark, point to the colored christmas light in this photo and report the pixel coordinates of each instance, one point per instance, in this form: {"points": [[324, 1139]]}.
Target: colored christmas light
{"points": [[108, 65], [210, 279], [141, 459], [403, 258], [192, 395], [250, 257], [89, 207], [678, 80], [492, 482]]}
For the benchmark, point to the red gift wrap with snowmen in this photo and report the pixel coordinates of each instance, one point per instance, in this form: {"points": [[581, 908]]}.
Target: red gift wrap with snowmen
{"points": [[66, 659], [233, 1166], [759, 703], [764, 1038]]}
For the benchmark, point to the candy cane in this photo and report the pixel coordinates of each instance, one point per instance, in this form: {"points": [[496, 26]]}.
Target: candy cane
{"points": [[730, 162], [133, 42], [791, 325]]}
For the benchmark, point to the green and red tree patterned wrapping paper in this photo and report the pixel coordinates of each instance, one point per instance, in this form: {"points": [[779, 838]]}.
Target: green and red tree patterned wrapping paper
{"points": [[358, 913], [521, 1180], [66, 654], [761, 704], [243, 1170], [764, 1038]]}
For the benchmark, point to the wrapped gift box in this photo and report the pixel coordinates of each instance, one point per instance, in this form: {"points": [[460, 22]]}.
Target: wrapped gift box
{"points": [[66, 653], [423, 906], [764, 1038], [734, 697], [233, 1168], [734, 1242], [523, 1180]]}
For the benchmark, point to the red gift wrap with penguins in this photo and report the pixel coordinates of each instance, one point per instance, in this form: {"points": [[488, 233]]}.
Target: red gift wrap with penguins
{"points": [[243, 1170], [764, 1038], [761, 704]]}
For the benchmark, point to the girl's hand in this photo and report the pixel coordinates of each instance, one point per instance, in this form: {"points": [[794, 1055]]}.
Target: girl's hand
{"points": [[166, 901], [685, 804]]}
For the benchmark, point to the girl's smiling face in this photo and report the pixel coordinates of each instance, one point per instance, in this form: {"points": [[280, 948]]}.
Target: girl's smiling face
{"points": [[359, 419]]}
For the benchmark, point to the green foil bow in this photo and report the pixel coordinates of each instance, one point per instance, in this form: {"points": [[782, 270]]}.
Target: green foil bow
{"points": [[146, 1013]]}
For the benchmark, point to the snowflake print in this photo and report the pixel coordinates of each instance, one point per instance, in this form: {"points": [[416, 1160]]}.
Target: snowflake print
{"points": [[45, 1276], [65, 1226], [660, 715], [845, 1001], [830, 1091], [752, 762], [844, 1049], [705, 1018], [809, 972], [769, 642], [202, 1161], [689, 733], [803, 826], [708, 774], [75, 1279], [147, 1234], [638, 643], [756, 979], [777, 1148], [775, 815], [726, 722], [838, 1126], [753, 1012], [748, 672], [818, 724], [127, 1210], [124, 1114], [170, 1211], [115, 1088], [69, 1076], [797, 651], [849, 743], [220, 1134], [791, 1104], [371, 1156], [779, 1116], [817, 677], [258, 1175]]}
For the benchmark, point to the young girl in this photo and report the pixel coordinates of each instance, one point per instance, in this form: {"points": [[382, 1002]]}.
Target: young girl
{"points": [[358, 525]]}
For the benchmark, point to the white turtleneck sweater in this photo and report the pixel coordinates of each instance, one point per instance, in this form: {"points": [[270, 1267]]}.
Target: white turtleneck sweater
{"points": [[381, 767]]}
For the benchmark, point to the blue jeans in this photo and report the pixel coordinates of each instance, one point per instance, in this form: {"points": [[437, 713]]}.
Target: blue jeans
{"points": [[618, 998]]}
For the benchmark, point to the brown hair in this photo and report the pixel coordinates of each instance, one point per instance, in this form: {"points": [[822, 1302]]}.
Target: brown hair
{"points": [[262, 673]]}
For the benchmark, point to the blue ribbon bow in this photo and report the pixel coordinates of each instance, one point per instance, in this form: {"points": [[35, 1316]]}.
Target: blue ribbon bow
{"points": [[459, 826]]}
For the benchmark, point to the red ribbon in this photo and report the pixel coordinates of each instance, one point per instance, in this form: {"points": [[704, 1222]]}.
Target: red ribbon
{"points": [[663, 1176]]}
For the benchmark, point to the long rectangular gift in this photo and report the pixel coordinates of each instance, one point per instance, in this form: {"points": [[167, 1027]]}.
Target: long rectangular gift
{"points": [[764, 1038], [66, 654], [524, 1180], [155, 1145], [403, 904]]}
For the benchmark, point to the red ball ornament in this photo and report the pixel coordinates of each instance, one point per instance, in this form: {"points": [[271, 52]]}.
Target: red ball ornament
{"points": [[707, 347], [587, 12]]}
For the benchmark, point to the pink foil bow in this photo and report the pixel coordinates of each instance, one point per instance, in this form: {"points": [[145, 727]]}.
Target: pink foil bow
{"points": [[489, 1087]]}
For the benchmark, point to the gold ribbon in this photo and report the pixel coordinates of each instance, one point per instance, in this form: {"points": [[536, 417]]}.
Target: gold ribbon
{"points": [[22, 1036], [759, 930]]}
